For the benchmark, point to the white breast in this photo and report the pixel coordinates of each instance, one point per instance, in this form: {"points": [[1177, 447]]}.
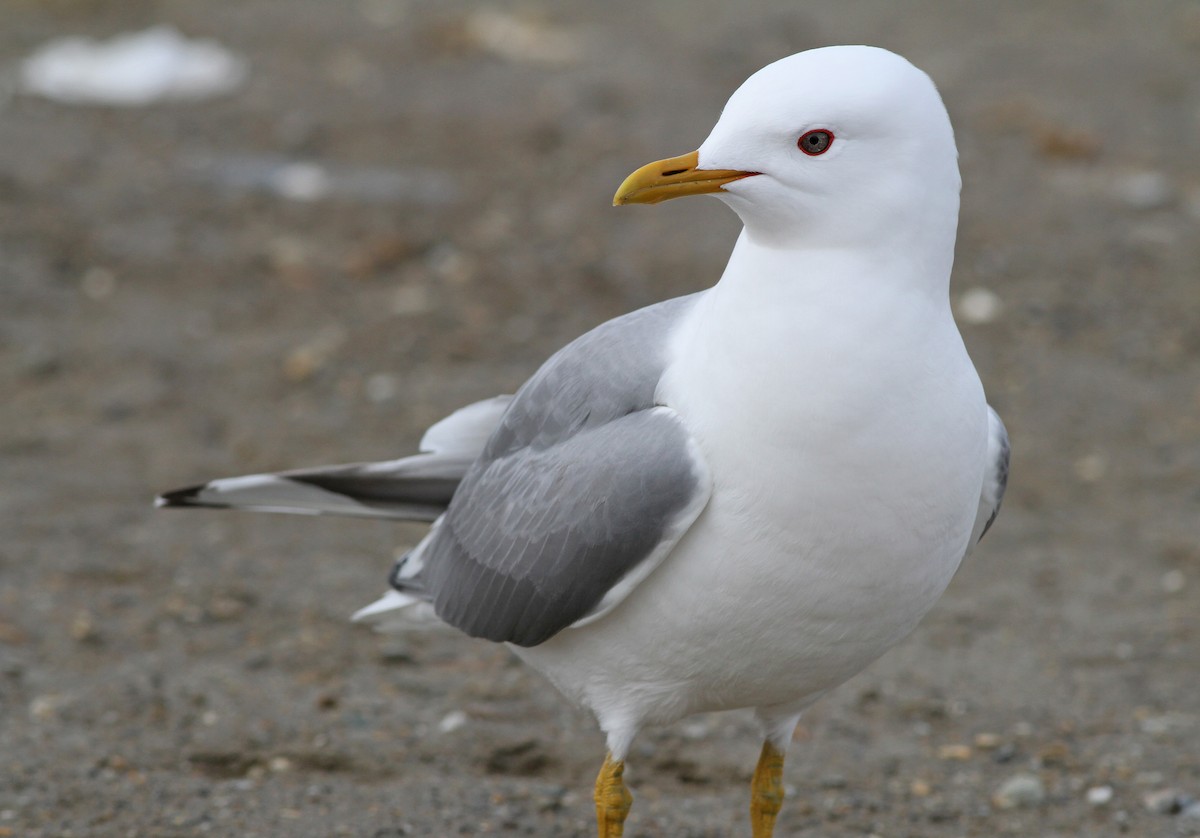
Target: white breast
{"points": [[840, 510]]}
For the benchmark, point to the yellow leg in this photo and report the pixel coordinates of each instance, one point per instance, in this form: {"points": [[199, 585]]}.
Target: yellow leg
{"points": [[766, 791], [612, 799]]}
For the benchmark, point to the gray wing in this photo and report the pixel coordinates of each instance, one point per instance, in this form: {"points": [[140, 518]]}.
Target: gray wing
{"points": [[583, 488], [417, 488], [995, 479]]}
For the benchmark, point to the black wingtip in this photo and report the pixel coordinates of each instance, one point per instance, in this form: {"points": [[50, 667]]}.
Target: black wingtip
{"points": [[189, 496]]}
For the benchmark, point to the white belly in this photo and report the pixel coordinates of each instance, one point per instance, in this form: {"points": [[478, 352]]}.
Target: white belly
{"points": [[748, 615], [832, 529]]}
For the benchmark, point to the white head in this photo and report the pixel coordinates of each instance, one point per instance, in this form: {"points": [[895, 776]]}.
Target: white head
{"points": [[836, 147]]}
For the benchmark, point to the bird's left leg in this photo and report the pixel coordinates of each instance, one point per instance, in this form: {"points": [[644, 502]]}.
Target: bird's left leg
{"points": [[613, 800], [766, 789]]}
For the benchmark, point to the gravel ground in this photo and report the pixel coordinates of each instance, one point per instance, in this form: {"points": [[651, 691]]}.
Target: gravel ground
{"points": [[173, 308]]}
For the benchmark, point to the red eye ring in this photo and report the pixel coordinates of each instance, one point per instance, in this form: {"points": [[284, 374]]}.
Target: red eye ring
{"points": [[815, 142]]}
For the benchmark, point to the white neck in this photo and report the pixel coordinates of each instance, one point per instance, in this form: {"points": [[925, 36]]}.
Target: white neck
{"points": [[912, 237], [793, 281], [806, 319], [815, 339]]}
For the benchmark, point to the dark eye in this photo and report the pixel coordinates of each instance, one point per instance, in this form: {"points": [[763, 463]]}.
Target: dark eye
{"points": [[815, 142]]}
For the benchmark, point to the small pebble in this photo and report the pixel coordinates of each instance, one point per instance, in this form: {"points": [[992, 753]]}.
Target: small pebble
{"points": [[300, 364], [549, 798], [1143, 190], [382, 387], [225, 607], [1165, 801], [83, 627], [1099, 795], [986, 741], [98, 283], [301, 182], [39, 362], [306, 360], [450, 264], [1056, 753], [960, 753], [1173, 581], [521, 40], [1157, 726], [46, 707], [452, 721], [1005, 753], [1066, 143], [410, 300], [288, 254], [920, 788], [979, 305], [1091, 468], [348, 68], [1020, 791]]}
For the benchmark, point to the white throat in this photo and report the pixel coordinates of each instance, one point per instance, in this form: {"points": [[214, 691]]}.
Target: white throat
{"points": [[904, 230]]}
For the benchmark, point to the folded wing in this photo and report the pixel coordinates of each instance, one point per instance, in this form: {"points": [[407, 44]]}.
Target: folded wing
{"points": [[584, 488]]}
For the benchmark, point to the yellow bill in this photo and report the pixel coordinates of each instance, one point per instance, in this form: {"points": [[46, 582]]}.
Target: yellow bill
{"points": [[673, 178]]}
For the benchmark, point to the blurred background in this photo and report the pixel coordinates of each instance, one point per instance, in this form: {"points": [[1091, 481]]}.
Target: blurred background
{"points": [[284, 233]]}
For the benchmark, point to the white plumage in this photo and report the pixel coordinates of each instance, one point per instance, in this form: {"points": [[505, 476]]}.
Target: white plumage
{"points": [[740, 498]]}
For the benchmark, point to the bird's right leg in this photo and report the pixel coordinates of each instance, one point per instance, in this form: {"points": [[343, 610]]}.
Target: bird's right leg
{"points": [[613, 799], [766, 789]]}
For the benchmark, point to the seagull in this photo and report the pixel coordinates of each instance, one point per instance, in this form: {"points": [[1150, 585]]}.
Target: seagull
{"points": [[734, 499]]}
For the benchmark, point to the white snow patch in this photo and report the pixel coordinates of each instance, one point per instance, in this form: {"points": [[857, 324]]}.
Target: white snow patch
{"points": [[131, 70]]}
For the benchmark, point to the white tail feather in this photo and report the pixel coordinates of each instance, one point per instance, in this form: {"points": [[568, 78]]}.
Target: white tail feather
{"points": [[396, 611]]}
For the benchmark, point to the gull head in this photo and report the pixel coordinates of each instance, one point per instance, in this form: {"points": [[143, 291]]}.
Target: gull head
{"points": [[843, 146]]}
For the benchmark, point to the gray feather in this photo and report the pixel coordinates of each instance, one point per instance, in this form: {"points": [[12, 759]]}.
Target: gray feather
{"points": [[417, 488], [584, 480], [995, 479]]}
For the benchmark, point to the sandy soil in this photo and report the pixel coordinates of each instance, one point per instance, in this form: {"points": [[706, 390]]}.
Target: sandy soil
{"points": [[167, 316]]}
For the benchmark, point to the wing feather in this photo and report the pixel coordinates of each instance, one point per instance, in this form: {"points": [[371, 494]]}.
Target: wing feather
{"points": [[582, 490], [995, 479]]}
